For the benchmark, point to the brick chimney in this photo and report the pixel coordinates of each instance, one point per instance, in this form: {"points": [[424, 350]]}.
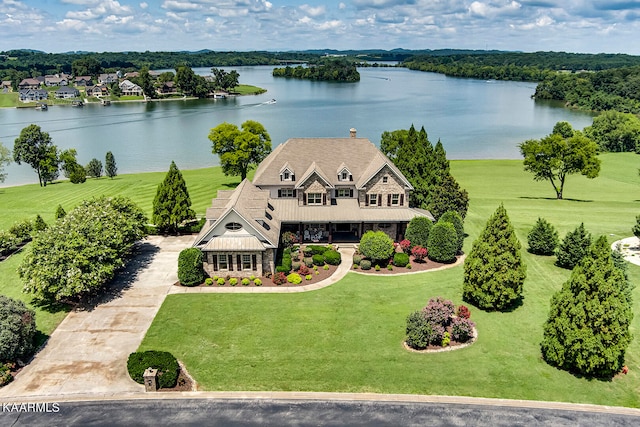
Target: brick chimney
{"points": [[352, 132]]}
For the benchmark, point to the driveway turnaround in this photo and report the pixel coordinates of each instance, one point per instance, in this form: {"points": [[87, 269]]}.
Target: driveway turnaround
{"points": [[88, 351]]}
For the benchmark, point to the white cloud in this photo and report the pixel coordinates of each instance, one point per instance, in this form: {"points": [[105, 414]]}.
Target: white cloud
{"points": [[313, 11], [486, 10], [543, 21], [180, 6], [144, 5]]}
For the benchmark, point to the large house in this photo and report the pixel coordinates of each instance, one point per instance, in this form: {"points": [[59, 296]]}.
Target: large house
{"points": [[326, 190]]}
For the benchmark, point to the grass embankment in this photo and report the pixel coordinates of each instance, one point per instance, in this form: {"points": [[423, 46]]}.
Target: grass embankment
{"points": [[347, 338], [25, 202]]}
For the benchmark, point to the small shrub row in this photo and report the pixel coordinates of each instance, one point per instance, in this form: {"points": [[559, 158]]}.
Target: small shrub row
{"points": [[19, 233]]}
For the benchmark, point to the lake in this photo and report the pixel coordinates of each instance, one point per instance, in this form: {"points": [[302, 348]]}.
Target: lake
{"points": [[474, 119]]}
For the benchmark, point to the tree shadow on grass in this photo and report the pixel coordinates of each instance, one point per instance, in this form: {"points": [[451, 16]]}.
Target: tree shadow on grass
{"points": [[231, 184], [140, 258], [553, 198]]}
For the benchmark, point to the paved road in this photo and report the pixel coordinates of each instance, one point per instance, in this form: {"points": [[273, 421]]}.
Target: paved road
{"points": [[207, 412], [88, 351]]}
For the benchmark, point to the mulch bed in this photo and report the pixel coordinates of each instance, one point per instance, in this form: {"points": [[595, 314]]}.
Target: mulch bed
{"points": [[184, 382], [415, 267]]}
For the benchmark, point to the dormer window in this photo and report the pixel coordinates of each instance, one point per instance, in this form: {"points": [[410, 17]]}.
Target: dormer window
{"points": [[287, 175], [345, 175]]}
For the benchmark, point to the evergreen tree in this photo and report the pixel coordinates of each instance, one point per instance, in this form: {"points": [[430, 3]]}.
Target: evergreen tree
{"points": [[621, 264], [494, 271], [39, 224], [587, 331], [443, 242], [94, 168], [418, 231], [447, 196], [636, 227], [110, 165], [573, 247], [543, 238], [455, 219], [60, 212], [172, 204]]}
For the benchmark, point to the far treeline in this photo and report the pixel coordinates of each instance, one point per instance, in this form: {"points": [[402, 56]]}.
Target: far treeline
{"points": [[332, 69]]}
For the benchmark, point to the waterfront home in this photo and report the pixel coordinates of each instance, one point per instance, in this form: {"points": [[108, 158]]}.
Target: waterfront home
{"points": [[83, 81], [97, 91], [56, 80], [29, 84], [167, 88], [6, 86], [66, 92], [327, 190], [108, 78], [130, 89], [30, 95]]}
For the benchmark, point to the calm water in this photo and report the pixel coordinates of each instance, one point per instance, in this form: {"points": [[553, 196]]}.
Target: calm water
{"points": [[473, 118]]}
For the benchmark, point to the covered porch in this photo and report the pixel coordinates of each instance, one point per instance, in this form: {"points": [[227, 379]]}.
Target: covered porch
{"points": [[341, 232]]}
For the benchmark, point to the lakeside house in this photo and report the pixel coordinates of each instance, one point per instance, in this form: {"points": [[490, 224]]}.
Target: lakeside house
{"points": [[83, 81], [29, 84], [30, 95], [130, 89], [324, 190], [6, 86], [67, 92], [56, 80]]}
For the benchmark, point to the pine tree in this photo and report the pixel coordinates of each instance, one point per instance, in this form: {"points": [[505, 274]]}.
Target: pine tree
{"points": [[494, 271], [60, 212], [110, 165], [573, 247], [543, 238], [172, 204], [39, 224], [447, 196], [587, 331]]}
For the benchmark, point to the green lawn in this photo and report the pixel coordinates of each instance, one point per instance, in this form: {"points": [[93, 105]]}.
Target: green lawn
{"points": [[28, 200], [347, 338]]}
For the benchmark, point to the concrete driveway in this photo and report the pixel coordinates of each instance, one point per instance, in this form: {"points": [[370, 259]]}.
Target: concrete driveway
{"points": [[88, 351]]}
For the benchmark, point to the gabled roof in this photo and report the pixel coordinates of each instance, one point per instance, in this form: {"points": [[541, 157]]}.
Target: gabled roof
{"points": [[327, 156], [252, 205], [311, 170]]}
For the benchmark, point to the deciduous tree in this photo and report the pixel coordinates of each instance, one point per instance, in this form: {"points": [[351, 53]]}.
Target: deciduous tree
{"points": [[494, 272], [564, 152], [587, 331], [240, 150], [35, 148], [172, 204], [615, 131]]}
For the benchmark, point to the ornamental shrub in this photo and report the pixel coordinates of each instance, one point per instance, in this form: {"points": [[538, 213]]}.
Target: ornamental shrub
{"points": [[443, 242], [303, 270], [418, 231], [356, 259], [308, 261], [419, 253], [294, 278], [163, 361], [279, 278], [208, 281], [400, 259], [439, 311], [455, 219], [8, 242], [377, 268], [17, 330], [311, 250], [446, 339], [282, 269], [543, 238], [390, 267], [463, 311], [308, 277], [39, 225], [325, 267], [419, 331], [233, 281], [405, 245], [245, 282], [220, 281], [257, 282], [365, 264], [295, 266], [376, 246], [587, 331], [636, 228], [494, 272], [22, 230], [190, 267], [5, 374], [573, 247], [318, 259], [461, 329], [332, 257]]}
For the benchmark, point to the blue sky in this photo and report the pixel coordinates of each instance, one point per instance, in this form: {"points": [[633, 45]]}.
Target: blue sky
{"points": [[611, 26]]}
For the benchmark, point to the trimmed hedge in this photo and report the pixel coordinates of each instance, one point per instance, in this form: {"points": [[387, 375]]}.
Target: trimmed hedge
{"points": [[190, 270], [318, 259], [332, 257], [418, 231], [443, 242], [163, 361], [400, 259]]}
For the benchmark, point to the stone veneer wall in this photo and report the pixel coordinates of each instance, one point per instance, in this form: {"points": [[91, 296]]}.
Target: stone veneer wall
{"points": [[376, 186]]}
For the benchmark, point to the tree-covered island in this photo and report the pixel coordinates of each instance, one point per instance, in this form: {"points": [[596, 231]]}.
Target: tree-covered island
{"points": [[335, 70]]}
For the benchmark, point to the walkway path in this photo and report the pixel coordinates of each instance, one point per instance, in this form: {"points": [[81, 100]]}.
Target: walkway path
{"points": [[630, 248], [88, 351]]}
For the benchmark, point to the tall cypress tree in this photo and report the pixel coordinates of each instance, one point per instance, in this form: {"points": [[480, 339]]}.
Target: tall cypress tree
{"points": [[172, 204], [587, 331], [494, 271], [110, 165]]}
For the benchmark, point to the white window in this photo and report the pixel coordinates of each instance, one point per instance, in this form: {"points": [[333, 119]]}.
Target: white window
{"points": [[233, 226], [222, 262], [343, 192], [287, 192], [395, 199], [246, 262], [314, 198], [373, 199]]}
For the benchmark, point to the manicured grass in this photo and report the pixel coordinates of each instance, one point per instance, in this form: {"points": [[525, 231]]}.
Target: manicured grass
{"points": [[10, 99], [347, 338], [248, 90], [27, 201]]}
